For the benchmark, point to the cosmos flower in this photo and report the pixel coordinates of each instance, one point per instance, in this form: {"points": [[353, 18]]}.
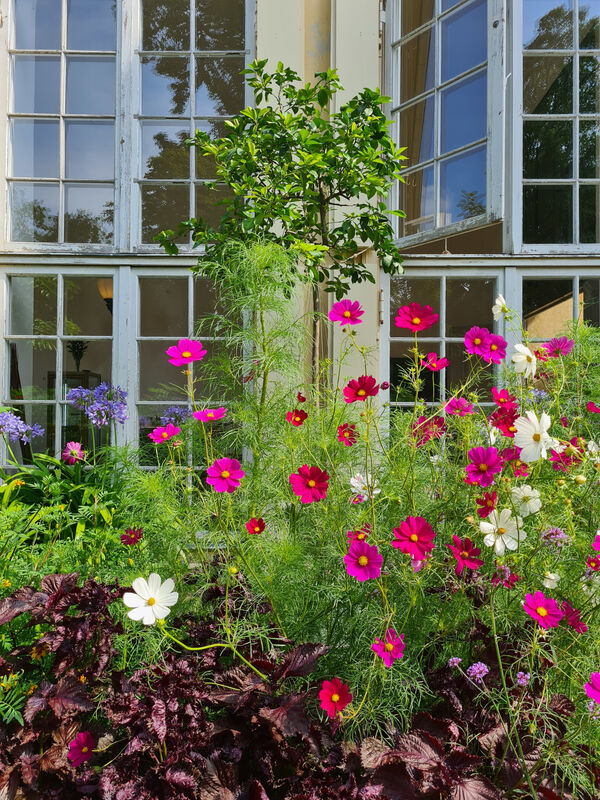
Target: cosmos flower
{"points": [[151, 599], [526, 499], [160, 434], [346, 312], [300, 397], [390, 647], [310, 484], [347, 434], [572, 616], [560, 346], [416, 317], [255, 525], [72, 453], [433, 363], [426, 428], [532, 436], [592, 689], [415, 537], [363, 561], [210, 414], [504, 399], [225, 475], [551, 580], [81, 748], [484, 463], [487, 504], [499, 309], [334, 696], [502, 531], [359, 390], [477, 341], [364, 486], [465, 554], [296, 417], [524, 361], [185, 351], [458, 405], [132, 536], [543, 609]]}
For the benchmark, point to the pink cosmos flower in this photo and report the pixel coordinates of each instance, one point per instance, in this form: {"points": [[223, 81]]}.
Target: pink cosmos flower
{"points": [[132, 536], [465, 554], [416, 317], [593, 563], [81, 748], [485, 463], [72, 453], [159, 435], [487, 504], [346, 312], [414, 536], [347, 434], [360, 535], [363, 561], [360, 389], [572, 617], [300, 397], [564, 422], [511, 455], [543, 609], [569, 457], [210, 414], [503, 399], [496, 349], [255, 526], [596, 542], [334, 696], [592, 407], [296, 418], [225, 475], [504, 576], [504, 419], [390, 647], [477, 341], [310, 484], [592, 689], [460, 406], [426, 428], [185, 352], [560, 346], [434, 363]]}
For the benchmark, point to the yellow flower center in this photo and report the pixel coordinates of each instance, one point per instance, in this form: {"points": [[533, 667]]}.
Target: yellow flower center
{"points": [[536, 437], [389, 647], [501, 531], [335, 698], [464, 554], [413, 537], [346, 433], [493, 347], [512, 428], [151, 601], [210, 414], [363, 561], [517, 463], [312, 483], [542, 611], [483, 467], [296, 419], [186, 354], [84, 749], [489, 503], [347, 314], [225, 473], [361, 536], [434, 363], [165, 435], [477, 341], [256, 529], [416, 321], [361, 393], [529, 359]]}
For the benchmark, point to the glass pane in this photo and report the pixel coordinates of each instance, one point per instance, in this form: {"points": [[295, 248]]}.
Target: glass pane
{"points": [[548, 24], [35, 148], [469, 302], [90, 150], [589, 301], [589, 149], [464, 112], [37, 24], [405, 291], [86, 363], [401, 361], [463, 186], [458, 371], [76, 427], [34, 212], [464, 39], [36, 84], [219, 86], [547, 85], [447, 4], [416, 13], [589, 214], [209, 204], [150, 417], [205, 165], [547, 307], [165, 86], [32, 369], [163, 307], [205, 298], [33, 305], [589, 85], [87, 312], [417, 65], [164, 154], [589, 24], [90, 85], [417, 130], [166, 25], [418, 202], [548, 149], [42, 415], [163, 207], [159, 380], [91, 24], [89, 213], [220, 24], [547, 214]]}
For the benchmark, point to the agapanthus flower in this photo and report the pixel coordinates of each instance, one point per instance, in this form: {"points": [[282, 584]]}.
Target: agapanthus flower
{"points": [[465, 554], [255, 525], [458, 405], [539, 395], [593, 563], [503, 420], [415, 537], [210, 414], [359, 390], [551, 579], [160, 434], [185, 351], [502, 531], [360, 534], [363, 561], [486, 504], [485, 462], [523, 679], [364, 486], [532, 436], [555, 537], [434, 363], [478, 671], [151, 599], [81, 748], [524, 361], [347, 434], [14, 428], [225, 475], [132, 536], [334, 696], [572, 616], [560, 346], [176, 415], [72, 453], [346, 312], [499, 309], [416, 317], [426, 428], [543, 609], [296, 417], [102, 406], [300, 398], [503, 398], [310, 484], [454, 662], [390, 647], [476, 341], [526, 499]]}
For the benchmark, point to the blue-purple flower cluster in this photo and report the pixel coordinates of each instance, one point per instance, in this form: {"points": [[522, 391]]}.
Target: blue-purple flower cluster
{"points": [[175, 415], [102, 405], [15, 428]]}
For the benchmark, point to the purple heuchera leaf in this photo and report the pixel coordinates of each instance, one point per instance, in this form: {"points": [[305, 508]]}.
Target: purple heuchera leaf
{"points": [[420, 750], [300, 661], [474, 789], [159, 719], [25, 599]]}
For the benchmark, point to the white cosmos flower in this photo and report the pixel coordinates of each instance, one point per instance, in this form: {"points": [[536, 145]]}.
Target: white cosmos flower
{"points": [[150, 599], [524, 361], [503, 531], [362, 485], [493, 434], [527, 500], [592, 448], [551, 580], [532, 436], [499, 309]]}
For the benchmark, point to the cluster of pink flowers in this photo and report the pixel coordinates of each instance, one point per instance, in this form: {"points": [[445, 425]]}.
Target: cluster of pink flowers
{"points": [[489, 346]]}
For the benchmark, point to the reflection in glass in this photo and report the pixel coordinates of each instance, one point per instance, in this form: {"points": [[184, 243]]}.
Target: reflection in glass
{"points": [[86, 312], [164, 154], [547, 214], [205, 165], [463, 186], [163, 207], [589, 213], [90, 150], [464, 39], [219, 86], [163, 307], [547, 307], [209, 204], [33, 305], [34, 212], [417, 67], [166, 25], [36, 84], [89, 213], [418, 201], [35, 148], [32, 369], [220, 24], [548, 149], [42, 415], [547, 85], [417, 130], [402, 389], [469, 302], [91, 24], [589, 301], [165, 86], [90, 85], [589, 149], [405, 291], [86, 363], [159, 380], [589, 85], [589, 24], [37, 24], [464, 112], [447, 4], [548, 24]]}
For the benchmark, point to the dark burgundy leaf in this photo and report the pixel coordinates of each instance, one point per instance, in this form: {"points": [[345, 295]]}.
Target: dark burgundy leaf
{"points": [[300, 661], [33, 706], [561, 705], [394, 782], [371, 752], [289, 718], [159, 719], [420, 750], [474, 789], [29, 767], [69, 695], [59, 583], [25, 599], [461, 760], [54, 758], [440, 728], [9, 783], [256, 791]]}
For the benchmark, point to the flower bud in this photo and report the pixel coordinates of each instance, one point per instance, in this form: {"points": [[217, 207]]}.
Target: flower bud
{"points": [[568, 501], [470, 519], [560, 482], [130, 562], [385, 386], [580, 479], [233, 570]]}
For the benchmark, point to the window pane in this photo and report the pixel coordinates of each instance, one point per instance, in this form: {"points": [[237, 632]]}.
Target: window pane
{"points": [[418, 202], [219, 86], [165, 86], [405, 291], [220, 24], [589, 301], [589, 24], [463, 186], [459, 370], [416, 13], [90, 150], [589, 214], [34, 212], [209, 206], [548, 149], [163, 307], [164, 154], [547, 214], [42, 415], [205, 298], [417, 130], [589, 85], [32, 369], [89, 213], [37, 24], [159, 380], [36, 84], [91, 24], [33, 305], [205, 165], [90, 85], [401, 361], [589, 149], [76, 427], [469, 302], [547, 85], [35, 148], [547, 307], [464, 39], [464, 112], [163, 206], [86, 311], [548, 24], [417, 68], [150, 417], [166, 25], [86, 363]]}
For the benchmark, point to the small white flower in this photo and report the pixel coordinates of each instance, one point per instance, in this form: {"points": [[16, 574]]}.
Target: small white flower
{"points": [[526, 499], [503, 531], [551, 580], [435, 459], [524, 361], [365, 486], [493, 434], [592, 448], [150, 599], [499, 309], [532, 436]]}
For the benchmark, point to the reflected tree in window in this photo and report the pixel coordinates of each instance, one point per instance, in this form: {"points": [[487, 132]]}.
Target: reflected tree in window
{"points": [[32, 221], [470, 204], [82, 226]]}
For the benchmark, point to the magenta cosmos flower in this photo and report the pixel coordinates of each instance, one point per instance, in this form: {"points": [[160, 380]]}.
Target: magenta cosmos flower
{"points": [[210, 414], [81, 748], [72, 453], [363, 561], [255, 526], [572, 617], [543, 609], [296, 417], [426, 428], [310, 484], [360, 534], [416, 317], [485, 463], [465, 554], [496, 349], [334, 696], [503, 399], [132, 536], [346, 312], [160, 434], [360, 389], [347, 434], [477, 341], [460, 406], [592, 407], [225, 475], [487, 504], [415, 537], [390, 647], [596, 542], [560, 346], [592, 689], [433, 363], [185, 352]]}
